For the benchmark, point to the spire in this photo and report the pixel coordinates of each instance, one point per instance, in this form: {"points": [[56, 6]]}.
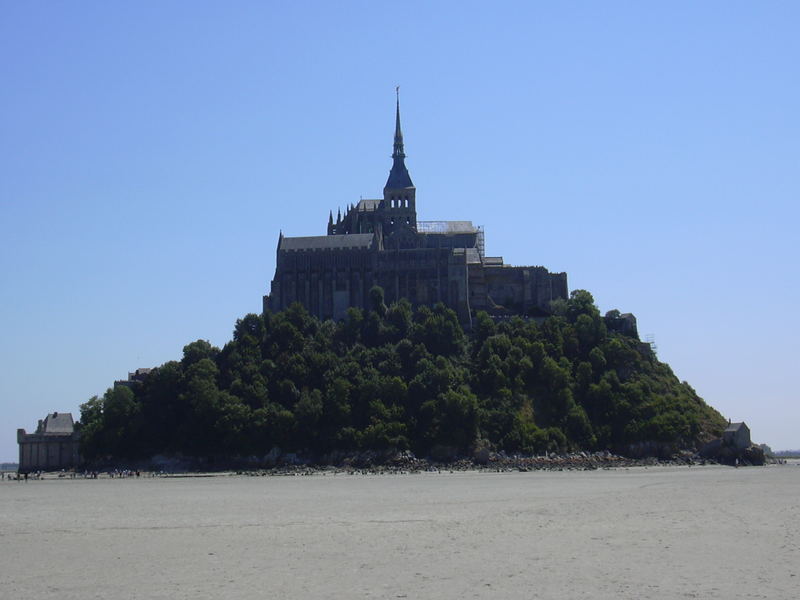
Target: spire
{"points": [[398, 133], [398, 176]]}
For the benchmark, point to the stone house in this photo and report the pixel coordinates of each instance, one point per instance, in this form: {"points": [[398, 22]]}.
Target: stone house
{"points": [[137, 376], [736, 435]]}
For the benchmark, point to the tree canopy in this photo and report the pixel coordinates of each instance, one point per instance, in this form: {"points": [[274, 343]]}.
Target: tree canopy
{"points": [[397, 378]]}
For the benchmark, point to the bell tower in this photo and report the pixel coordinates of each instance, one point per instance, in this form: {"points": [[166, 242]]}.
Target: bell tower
{"points": [[399, 194]]}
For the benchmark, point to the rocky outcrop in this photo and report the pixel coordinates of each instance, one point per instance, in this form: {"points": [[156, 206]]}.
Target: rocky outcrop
{"points": [[727, 454]]}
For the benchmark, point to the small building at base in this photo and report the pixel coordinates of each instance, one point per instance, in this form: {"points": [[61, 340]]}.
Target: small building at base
{"points": [[736, 435], [52, 447]]}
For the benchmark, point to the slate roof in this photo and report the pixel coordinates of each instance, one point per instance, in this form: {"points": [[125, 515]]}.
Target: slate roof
{"points": [[398, 176], [58, 423], [368, 204], [349, 241], [446, 227], [734, 427]]}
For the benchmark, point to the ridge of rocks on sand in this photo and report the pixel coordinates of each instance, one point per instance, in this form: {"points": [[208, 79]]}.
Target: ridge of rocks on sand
{"points": [[406, 462], [400, 463]]}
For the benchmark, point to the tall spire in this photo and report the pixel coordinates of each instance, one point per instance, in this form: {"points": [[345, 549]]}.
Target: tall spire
{"points": [[398, 176], [398, 133]]}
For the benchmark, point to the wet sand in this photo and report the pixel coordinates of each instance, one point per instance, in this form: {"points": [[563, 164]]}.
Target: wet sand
{"points": [[659, 532]]}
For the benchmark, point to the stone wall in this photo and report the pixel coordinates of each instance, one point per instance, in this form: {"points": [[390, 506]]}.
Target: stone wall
{"points": [[47, 452]]}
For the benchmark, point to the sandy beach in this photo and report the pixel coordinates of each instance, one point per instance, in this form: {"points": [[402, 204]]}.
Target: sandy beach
{"points": [[658, 532]]}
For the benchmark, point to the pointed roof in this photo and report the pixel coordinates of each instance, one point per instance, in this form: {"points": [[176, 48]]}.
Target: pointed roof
{"points": [[398, 176], [58, 423], [735, 426]]}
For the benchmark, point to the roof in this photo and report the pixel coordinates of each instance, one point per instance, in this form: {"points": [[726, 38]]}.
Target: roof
{"points": [[365, 204], [446, 227], [327, 242], [398, 176], [58, 423], [735, 426]]}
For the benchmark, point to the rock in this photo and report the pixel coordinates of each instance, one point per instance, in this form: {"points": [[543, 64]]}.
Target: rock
{"points": [[481, 455]]}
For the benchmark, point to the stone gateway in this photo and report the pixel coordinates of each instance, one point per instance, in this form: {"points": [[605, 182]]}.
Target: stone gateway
{"points": [[381, 242]]}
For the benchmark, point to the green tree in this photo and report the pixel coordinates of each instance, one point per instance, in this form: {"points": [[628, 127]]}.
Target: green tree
{"points": [[197, 351], [376, 301]]}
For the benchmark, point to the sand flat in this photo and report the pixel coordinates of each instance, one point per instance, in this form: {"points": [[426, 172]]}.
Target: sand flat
{"points": [[663, 532]]}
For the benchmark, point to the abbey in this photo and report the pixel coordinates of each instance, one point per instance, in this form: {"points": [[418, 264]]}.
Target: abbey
{"points": [[381, 242]]}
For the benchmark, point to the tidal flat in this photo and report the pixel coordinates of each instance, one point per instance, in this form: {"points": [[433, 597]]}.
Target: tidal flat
{"points": [[657, 532]]}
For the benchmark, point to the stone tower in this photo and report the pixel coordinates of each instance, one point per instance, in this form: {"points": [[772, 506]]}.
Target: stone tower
{"points": [[399, 194]]}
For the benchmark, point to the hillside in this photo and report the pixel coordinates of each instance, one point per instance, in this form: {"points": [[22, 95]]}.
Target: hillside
{"points": [[397, 378]]}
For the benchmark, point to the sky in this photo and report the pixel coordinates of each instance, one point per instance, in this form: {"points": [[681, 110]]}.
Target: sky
{"points": [[151, 152]]}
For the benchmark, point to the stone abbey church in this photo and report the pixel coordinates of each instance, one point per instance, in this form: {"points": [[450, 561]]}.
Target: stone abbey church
{"points": [[381, 242]]}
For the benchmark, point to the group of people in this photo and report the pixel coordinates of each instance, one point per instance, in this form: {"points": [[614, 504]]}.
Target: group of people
{"points": [[71, 474]]}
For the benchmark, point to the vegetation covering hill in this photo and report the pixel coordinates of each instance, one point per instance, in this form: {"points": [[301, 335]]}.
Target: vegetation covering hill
{"points": [[397, 378]]}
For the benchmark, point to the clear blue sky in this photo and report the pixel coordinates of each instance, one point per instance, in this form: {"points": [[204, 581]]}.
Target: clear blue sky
{"points": [[150, 153]]}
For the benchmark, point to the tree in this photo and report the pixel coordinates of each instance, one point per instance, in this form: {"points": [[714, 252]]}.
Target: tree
{"points": [[202, 396], [397, 378], [376, 301], [121, 422], [580, 302], [92, 442], [197, 351]]}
